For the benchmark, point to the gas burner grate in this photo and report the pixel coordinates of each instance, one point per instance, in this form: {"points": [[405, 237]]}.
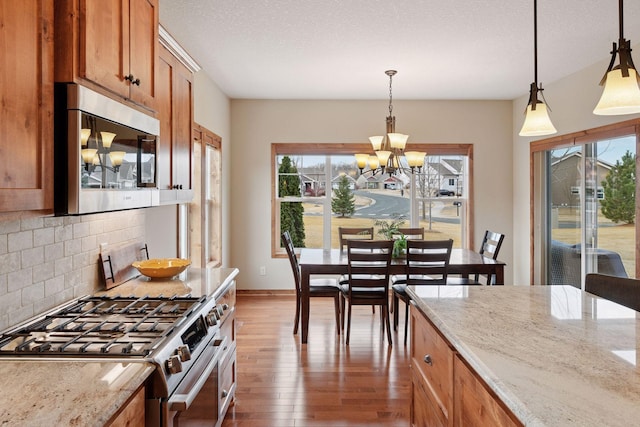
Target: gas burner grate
{"points": [[101, 326]]}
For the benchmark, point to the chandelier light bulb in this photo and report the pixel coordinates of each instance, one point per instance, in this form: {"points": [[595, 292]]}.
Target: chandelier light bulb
{"points": [[107, 139]]}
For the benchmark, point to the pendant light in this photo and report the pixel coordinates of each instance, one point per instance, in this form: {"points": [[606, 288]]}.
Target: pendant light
{"points": [[537, 121], [621, 94]]}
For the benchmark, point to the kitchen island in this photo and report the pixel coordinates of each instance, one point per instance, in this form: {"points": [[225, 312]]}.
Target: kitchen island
{"points": [[544, 355], [92, 393]]}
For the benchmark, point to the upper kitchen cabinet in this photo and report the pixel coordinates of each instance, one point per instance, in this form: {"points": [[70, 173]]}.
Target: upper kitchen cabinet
{"points": [[26, 110], [175, 111], [112, 44]]}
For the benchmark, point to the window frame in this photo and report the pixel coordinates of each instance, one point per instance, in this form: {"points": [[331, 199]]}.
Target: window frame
{"points": [[432, 149], [537, 204]]}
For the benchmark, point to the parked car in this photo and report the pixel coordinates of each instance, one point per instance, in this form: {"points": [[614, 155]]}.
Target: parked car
{"points": [[443, 192]]}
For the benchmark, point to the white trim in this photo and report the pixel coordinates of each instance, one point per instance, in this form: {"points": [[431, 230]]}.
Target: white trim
{"points": [[182, 55]]}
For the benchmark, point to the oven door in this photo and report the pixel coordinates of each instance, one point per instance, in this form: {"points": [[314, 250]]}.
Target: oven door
{"points": [[195, 401]]}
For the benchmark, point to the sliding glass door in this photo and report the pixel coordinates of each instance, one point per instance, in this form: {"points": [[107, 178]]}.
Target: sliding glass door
{"points": [[590, 201]]}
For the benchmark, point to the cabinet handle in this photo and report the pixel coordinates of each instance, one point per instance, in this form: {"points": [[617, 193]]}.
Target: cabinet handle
{"points": [[225, 393], [427, 360], [131, 79]]}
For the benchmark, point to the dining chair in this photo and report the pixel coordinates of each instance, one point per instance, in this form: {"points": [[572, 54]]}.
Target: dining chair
{"points": [[353, 233], [413, 233], [368, 264], [318, 287], [427, 262], [491, 244], [621, 290]]}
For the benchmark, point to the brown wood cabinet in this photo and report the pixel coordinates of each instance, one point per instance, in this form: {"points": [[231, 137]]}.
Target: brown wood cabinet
{"points": [[175, 111], [26, 118], [445, 390], [112, 44], [132, 413], [432, 373]]}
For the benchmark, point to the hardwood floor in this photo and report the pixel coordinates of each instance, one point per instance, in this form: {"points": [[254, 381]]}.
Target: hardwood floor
{"points": [[283, 383]]}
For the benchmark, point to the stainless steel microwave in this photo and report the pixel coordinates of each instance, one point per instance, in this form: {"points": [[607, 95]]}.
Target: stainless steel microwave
{"points": [[105, 153]]}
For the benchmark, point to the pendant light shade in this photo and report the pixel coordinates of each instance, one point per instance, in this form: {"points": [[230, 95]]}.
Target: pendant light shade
{"points": [[621, 94], [537, 121]]}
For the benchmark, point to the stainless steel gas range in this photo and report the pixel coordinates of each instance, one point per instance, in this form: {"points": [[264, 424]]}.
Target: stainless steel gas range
{"points": [[182, 336]]}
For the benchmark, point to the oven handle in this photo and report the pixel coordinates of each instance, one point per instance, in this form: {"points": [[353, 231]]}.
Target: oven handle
{"points": [[180, 401]]}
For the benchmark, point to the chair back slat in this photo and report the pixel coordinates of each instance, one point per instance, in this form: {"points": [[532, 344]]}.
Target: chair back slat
{"points": [[428, 261]]}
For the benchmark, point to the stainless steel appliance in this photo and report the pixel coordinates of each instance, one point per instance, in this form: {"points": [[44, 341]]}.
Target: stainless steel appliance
{"points": [[180, 335], [105, 153]]}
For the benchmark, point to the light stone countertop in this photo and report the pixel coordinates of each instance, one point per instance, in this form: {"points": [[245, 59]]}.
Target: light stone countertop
{"points": [[64, 393], [556, 356], [193, 281]]}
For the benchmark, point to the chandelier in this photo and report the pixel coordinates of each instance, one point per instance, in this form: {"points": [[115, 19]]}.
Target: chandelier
{"points": [[537, 121], [621, 94], [390, 156]]}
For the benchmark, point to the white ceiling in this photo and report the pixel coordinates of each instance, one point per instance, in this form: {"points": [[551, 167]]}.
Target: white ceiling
{"points": [[339, 49]]}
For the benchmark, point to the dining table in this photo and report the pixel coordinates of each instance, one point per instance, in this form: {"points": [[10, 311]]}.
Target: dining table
{"points": [[463, 262]]}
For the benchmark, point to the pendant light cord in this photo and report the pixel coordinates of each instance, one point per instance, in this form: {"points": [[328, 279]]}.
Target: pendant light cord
{"points": [[390, 95], [620, 18], [535, 41]]}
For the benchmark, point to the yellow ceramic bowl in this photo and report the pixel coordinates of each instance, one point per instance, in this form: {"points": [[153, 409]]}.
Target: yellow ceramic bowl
{"points": [[161, 268]]}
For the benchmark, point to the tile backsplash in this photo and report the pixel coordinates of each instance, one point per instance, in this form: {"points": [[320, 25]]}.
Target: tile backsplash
{"points": [[50, 260]]}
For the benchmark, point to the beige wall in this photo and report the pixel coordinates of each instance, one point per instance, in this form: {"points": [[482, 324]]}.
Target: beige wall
{"points": [[255, 124], [572, 100]]}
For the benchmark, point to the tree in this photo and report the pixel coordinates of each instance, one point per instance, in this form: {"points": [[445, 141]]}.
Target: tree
{"points": [[619, 186], [343, 201], [291, 213]]}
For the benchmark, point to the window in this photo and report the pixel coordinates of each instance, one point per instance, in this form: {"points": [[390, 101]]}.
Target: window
{"points": [[306, 179], [584, 202]]}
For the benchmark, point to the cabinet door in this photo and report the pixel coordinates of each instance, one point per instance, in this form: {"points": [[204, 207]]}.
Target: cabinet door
{"points": [[423, 411], [163, 98], [143, 50], [474, 405], [175, 111], [26, 111], [183, 121], [104, 43]]}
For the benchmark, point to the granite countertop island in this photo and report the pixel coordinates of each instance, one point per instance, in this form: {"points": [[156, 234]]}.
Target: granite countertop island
{"points": [[66, 393], [554, 355]]}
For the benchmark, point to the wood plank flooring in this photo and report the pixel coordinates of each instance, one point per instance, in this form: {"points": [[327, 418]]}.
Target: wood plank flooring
{"points": [[283, 383]]}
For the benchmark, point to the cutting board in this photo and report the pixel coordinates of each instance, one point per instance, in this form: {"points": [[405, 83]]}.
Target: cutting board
{"points": [[115, 263]]}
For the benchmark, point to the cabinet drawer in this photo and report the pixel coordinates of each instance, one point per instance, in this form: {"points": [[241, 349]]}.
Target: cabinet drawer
{"points": [[474, 404], [432, 358]]}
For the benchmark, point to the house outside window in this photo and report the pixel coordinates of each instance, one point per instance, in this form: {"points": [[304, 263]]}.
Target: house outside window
{"points": [[304, 187]]}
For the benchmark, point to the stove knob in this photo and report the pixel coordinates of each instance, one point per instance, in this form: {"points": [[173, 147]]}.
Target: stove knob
{"points": [[211, 319], [225, 306], [174, 365], [184, 353], [220, 310]]}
